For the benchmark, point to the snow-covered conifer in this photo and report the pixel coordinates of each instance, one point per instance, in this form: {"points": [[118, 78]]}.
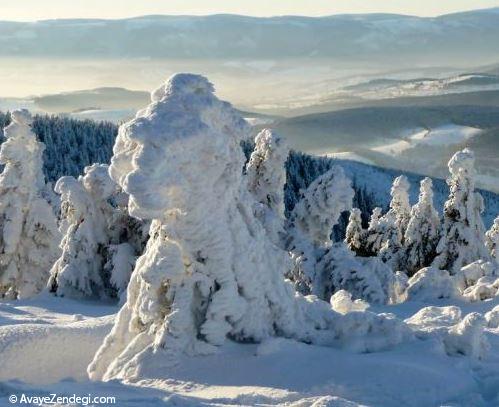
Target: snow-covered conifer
{"points": [[355, 235], [310, 227], [374, 234], [400, 207], [393, 224], [365, 278], [492, 240], [266, 172], [29, 237], [421, 235], [210, 271], [85, 211], [462, 237], [266, 176], [321, 205]]}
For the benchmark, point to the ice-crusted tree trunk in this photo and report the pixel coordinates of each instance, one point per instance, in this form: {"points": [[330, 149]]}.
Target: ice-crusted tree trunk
{"points": [[422, 233], [492, 240], [310, 227], [98, 249], [210, 270], [29, 237], [355, 237], [266, 175], [463, 231]]}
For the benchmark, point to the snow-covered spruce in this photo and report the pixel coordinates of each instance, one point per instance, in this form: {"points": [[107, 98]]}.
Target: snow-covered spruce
{"points": [[462, 240], [374, 233], [421, 235], [210, 271], [29, 237], [266, 175], [365, 278], [97, 257], [393, 224], [310, 227], [355, 237], [321, 205], [492, 240]]}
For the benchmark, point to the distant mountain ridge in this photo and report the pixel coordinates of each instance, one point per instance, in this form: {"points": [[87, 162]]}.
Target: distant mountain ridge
{"points": [[342, 37]]}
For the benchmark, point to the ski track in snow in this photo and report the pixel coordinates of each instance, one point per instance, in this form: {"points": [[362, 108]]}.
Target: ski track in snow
{"points": [[47, 342]]}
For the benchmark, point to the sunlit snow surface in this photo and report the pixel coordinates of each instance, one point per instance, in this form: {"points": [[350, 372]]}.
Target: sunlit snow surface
{"points": [[46, 343]]}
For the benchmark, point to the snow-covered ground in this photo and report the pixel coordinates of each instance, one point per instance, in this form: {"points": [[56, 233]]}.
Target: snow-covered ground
{"points": [[447, 135], [47, 342]]}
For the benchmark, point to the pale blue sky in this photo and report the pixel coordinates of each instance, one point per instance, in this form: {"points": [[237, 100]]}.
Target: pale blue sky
{"points": [[27, 10]]}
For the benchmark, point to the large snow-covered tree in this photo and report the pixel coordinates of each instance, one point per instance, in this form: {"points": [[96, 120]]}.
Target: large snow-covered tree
{"points": [[492, 240], [422, 233], [29, 237], [463, 231], [210, 271]]}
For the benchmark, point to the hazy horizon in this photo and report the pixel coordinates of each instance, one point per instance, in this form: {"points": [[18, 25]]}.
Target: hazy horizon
{"points": [[33, 10]]}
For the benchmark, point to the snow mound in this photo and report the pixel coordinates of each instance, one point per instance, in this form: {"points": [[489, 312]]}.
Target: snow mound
{"points": [[429, 284], [492, 317], [459, 337], [341, 301], [37, 353]]}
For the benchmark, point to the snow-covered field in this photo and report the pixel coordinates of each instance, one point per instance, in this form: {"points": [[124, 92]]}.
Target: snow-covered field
{"points": [[47, 342]]}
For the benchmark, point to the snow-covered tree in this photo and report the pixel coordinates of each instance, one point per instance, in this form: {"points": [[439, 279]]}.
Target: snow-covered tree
{"points": [[28, 227], [462, 237], [393, 224], [400, 207], [492, 240], [101, 241], [321, 205], [266, 176], [365, 278], [85, 211], [266, 172], [210, 271], [374, 233], [422, 233], [310, 227], [355, 237]]}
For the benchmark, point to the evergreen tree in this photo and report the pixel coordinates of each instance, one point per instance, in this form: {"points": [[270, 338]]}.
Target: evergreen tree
{"points": [[355, 237], [266, 176], [374, 233], [462, 239], [492, 240], [393, 224], [422, 233], [28, 228], [101, 241]]}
